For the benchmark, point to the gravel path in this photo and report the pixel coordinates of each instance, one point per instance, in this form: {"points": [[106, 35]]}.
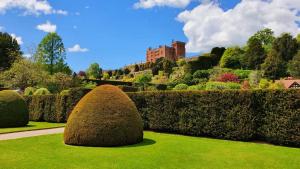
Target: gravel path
{"points": [[11, 136]]}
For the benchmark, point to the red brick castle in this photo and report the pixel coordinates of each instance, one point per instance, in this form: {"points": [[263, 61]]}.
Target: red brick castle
{"points": [[173, 53]]}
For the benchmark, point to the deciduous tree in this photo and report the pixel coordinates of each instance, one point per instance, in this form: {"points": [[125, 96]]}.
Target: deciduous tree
{"points": [[51, 53], [9, 51]]}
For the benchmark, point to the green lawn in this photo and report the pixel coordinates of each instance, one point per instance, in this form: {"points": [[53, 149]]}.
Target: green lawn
{"points": [[32, 126], [157, 151]]}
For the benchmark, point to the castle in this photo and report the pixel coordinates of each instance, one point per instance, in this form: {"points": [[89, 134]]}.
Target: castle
{"points": [[173, 53]]}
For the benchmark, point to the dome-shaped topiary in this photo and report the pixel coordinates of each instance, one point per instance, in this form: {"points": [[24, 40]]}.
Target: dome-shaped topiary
{"points": [[42, 91], [104, 117], [29, 91], [13, 110]]}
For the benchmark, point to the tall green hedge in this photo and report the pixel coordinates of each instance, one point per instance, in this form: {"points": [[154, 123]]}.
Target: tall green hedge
{"points": [[266, 115]]}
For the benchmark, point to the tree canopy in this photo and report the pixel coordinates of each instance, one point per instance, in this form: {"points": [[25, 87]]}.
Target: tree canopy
{"points": [[274, 66], [94, 71], [294, 66], [9, 51], [232, 58], [51, 54], [286, 46]]}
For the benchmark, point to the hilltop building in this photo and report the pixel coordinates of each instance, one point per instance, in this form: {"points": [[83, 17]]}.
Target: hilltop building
{"points": [[173, 53]]}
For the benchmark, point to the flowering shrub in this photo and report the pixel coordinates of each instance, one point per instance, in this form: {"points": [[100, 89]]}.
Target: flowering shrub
{"points": [[228, 77]]}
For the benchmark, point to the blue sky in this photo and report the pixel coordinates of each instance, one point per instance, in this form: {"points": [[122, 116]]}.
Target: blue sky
{"points": [[112, 33]]}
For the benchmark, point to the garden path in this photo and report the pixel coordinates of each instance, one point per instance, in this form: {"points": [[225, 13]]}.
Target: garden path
{"points": [[16, 135]]}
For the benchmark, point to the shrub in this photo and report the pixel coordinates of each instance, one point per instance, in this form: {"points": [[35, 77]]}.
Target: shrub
{"points": [[13, 110], [228, 77], [242, 74], [42, 91], [181, 87], [29, 91], [128, 88], [264, 84], [201, 74], [265, 115], [246, 85], [197, 87], [106, 116], [222, 86], [65, 92]]}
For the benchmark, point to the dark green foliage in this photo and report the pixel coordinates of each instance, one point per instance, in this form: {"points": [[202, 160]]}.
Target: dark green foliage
{"points": [[271, 116], [294, 66], [13, 110], [285, 46], [202, 74], [9, 51], [202, 63], [128, 88], [254, 55], [136, 68], [163, 64], [266, 115], [216, 54], [126, 71], [106, 117], [278, 116], [274, 66]]}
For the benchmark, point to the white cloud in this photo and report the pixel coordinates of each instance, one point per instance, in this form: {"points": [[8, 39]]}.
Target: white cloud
{"points": [[146, 4], [2, 28], [208, 25], [18, 38], [61, 12], [27, 55], [77, 13], [36, 7], [77, 48], [47, 27]]}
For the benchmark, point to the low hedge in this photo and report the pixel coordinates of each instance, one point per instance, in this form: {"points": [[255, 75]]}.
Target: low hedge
{"points": [[265, 115]]}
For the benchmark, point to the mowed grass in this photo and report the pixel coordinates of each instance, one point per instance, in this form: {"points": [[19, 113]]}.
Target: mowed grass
{"points": [[32, 126], [165, 151]]}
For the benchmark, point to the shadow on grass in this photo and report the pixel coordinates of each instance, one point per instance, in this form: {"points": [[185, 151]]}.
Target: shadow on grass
{"points": [[27, 126], [146, 142]]}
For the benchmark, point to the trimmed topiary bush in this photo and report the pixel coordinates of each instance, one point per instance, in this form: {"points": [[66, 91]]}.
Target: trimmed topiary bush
{"points": [[42, 91], [29, 91], [13, 110], [105, 117], [181, 87]]}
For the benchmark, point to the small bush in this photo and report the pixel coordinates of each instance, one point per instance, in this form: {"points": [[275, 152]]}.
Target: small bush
{"points": [[264, 84], [202, 74], [42, 91], [181, 87], [242, 74], [13, 110], [65, 92], [197, 87], [228, 77], [29, 91], [222, 86]]}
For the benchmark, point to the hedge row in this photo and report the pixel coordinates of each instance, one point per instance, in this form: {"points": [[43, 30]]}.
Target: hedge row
{"points": [[272, 116]]}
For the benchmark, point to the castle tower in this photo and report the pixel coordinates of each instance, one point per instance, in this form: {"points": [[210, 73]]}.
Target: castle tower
{"points": [[179, 49]]}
